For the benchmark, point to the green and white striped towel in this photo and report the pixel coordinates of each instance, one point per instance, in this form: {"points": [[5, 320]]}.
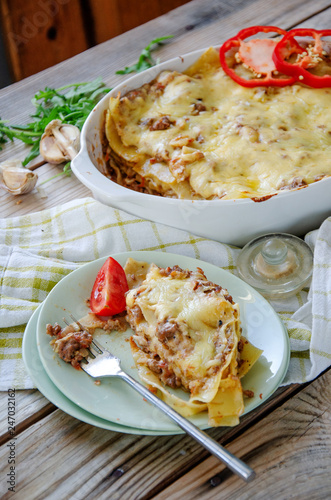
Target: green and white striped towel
{"points": [[37, 250]]}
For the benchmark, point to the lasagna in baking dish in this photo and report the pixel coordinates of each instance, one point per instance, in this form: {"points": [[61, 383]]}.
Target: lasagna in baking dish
{"points": [[187, 335], [200, 135]]}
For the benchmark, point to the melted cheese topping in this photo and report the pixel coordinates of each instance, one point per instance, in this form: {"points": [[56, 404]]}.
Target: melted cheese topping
{"points": [[205, 326], [221, 140], [188, 336]]}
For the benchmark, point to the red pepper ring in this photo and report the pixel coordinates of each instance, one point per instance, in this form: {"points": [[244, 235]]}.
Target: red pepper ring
{"points": [[252, 30], [238, 41], [288, 46]]}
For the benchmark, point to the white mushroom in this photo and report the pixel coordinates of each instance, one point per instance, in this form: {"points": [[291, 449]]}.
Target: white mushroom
{"points": [[16, 179], [59, 142]]}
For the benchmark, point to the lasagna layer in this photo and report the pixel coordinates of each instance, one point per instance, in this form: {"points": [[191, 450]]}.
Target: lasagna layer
{"points": [[200, 135], [188, 336]]}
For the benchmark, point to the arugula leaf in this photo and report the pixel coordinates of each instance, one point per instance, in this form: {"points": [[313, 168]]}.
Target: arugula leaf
{"points": [[145, 60], [71, 104], [66, 171], [7, 132], [3, 135]]}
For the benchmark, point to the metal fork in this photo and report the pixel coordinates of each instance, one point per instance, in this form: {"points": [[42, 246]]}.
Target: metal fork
{"points": [[101, 363]]}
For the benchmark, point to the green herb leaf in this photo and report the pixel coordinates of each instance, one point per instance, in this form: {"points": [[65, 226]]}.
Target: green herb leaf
{"points": [[67, 169], [145, 60], [71, 104], [3, 134]]}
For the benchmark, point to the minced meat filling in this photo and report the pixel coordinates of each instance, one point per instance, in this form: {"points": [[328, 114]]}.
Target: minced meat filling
{"points": [[163, 370], [166, 330], [71, 345]]}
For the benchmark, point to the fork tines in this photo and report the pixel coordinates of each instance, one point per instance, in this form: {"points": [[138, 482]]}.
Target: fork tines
{"points": [[96, 345]]}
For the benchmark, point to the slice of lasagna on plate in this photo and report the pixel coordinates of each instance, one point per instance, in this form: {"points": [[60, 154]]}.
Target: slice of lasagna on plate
{"points": [[187, 336]]}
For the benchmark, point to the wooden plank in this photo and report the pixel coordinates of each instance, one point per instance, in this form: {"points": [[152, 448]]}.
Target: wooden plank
{"points": [[292, 442], [60, 457], [65, 28], [30, 406], [54, 192], [109, 18], [101, 10], [165, 7], [143, 10], [51, 29], [195, 25]]}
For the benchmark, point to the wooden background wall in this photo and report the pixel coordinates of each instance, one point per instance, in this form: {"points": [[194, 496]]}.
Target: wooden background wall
{"points": [[41, 33]]}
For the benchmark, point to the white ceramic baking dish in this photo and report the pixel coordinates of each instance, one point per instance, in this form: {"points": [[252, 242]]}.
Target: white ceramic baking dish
{"points": [[228, 221]]}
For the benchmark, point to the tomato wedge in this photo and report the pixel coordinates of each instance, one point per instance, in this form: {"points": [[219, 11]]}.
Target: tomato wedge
{"points": [[110, 286]]}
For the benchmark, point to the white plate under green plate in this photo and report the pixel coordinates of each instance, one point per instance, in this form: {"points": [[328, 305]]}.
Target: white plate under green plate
{"points": [[113, 399], [51, 392]]}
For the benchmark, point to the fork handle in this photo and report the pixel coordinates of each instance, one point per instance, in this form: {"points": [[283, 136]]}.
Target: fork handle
{"points": [[231, 461]]}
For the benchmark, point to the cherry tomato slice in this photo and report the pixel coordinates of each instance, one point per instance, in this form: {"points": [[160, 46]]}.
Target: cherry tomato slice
{"points": [[108, 293]]}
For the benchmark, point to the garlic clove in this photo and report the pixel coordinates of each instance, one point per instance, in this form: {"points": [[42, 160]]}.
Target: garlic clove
{"points": [[50, 150], [60, 142], [16, 179]]}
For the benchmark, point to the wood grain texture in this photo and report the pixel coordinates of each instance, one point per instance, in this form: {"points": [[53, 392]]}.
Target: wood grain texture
{"points": [[292, 442], [41, 34], [30, 406], [53, 193], [195, 25], [109, 18], [60, 457]]}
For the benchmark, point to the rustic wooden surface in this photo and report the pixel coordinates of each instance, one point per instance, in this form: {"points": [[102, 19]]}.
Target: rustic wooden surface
{"points": [[110, 18], [287, 440], [59, 29], [44, 28]]}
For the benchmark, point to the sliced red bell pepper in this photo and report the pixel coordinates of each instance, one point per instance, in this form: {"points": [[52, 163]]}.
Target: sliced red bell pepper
{"points": [[256, 55], [299, 69]]}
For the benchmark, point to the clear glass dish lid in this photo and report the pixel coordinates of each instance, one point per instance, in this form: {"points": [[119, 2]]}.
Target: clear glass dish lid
{"points": [[277, 265]]}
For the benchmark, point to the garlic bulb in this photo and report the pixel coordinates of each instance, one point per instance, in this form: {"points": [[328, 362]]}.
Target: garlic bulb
{"points": [[60, 142], [16, 179]]}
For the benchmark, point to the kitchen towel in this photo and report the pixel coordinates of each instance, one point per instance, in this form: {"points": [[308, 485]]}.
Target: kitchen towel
{"points": [[37, 250]]}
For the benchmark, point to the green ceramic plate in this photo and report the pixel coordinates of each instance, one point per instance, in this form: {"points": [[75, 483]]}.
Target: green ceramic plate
{"points": [[113, 399]]}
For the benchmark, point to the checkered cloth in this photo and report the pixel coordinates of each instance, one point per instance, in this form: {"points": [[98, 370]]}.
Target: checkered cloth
{"points": [[37, 250]]}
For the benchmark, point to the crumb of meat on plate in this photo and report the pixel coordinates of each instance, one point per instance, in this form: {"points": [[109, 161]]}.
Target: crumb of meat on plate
{"points": [[72, 342], [69, 343]]}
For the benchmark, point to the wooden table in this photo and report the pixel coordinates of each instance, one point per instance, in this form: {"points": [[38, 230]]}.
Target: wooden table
{"points": [[287, 440]]}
